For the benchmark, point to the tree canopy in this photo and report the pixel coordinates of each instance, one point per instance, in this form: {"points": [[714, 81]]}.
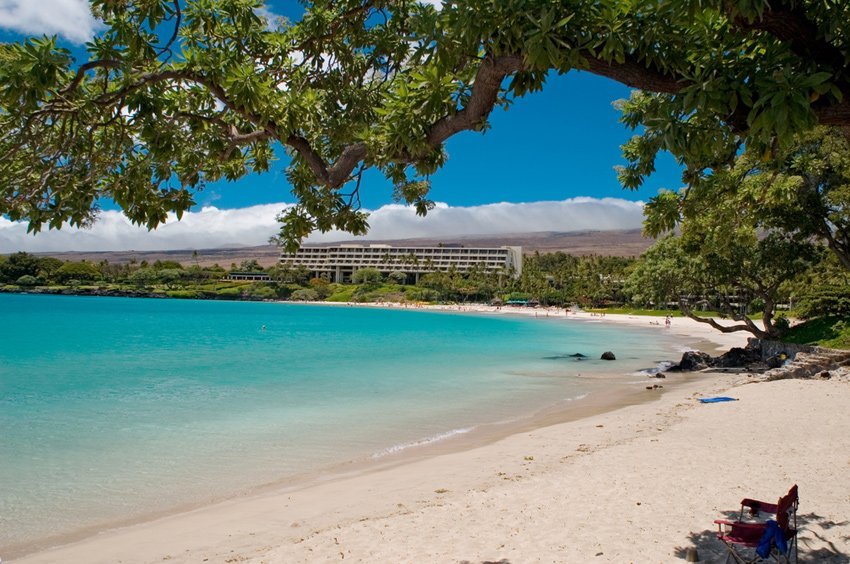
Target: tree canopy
{"points": [[733, 271], [178, 93], [804, 190]]}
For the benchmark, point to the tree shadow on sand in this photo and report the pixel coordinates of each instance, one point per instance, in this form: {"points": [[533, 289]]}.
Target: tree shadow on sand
{"points": [[814, 547]]}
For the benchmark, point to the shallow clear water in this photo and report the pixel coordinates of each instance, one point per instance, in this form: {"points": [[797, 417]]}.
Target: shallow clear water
{"points": [[112, 408]]}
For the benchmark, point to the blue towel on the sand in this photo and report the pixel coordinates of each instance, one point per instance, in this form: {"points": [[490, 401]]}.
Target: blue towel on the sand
{"points": [[772, 535], [716, 400]]}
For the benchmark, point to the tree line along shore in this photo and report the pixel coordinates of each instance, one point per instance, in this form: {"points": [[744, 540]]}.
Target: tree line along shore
{"points": [[816, 297]]}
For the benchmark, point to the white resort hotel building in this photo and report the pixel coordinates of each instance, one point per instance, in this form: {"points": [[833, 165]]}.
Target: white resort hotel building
{"points": [[338, 262]]}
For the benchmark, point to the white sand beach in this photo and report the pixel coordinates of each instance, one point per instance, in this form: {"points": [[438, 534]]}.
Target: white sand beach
{"points": [[642, 483]]}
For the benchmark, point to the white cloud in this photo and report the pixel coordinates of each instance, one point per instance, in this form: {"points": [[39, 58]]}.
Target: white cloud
{"points": [[208, 228], [212, 227], [72, 19]]}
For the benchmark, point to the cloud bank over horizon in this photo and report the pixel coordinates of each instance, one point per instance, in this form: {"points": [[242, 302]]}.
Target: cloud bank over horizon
{"points": [[211, 227]]}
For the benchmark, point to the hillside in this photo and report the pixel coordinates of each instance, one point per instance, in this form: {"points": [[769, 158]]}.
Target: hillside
{"points": [[609, 243]]}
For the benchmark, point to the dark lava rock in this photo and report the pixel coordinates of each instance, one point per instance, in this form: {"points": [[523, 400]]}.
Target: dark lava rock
{"points": [[738, 357], [608, 355], [749, 357], [660, 375], [578, 355], [693, 360]]}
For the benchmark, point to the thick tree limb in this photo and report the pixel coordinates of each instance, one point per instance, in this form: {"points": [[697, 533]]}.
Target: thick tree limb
{"points": [[237, 138], [837, 114], [787, 21], [314, 159], [746, 326], [485, 92], [636, 75], [344, 166]]}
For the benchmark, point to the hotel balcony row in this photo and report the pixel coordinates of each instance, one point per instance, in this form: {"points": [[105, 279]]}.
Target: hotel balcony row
{"points": [[339, 262]]}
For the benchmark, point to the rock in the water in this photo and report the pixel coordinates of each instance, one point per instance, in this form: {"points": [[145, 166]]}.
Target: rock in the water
{"points": [[578, 355], [660, 375], [608, 355]]}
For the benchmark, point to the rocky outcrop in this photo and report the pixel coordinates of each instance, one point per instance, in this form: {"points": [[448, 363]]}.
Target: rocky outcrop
{"points": [[608, 355], [739, 357], [774, 360], [817, 363], [748, 358]]}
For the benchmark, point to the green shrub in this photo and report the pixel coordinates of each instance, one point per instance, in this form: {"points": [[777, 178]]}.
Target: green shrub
{"points": [[830, 331], [231, 291], [342, 293], [825, 301], [262, 291], [415, 294], [27, 280], [305, 295], [367, 276], [78, 271]]}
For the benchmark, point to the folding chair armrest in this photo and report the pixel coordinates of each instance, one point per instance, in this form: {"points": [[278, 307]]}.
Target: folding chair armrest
{"points": [[723, 522]]}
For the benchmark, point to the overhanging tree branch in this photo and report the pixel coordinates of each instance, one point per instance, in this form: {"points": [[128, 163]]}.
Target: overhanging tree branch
{"points": [[636, 75], [86, 67], [788, 22], [750, 327], [485, 93]]}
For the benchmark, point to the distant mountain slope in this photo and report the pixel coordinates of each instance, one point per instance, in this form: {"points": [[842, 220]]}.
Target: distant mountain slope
{"points": [[610, 243]]}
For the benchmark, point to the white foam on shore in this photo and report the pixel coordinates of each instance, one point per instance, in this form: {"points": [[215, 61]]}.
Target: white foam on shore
{"points": [[395, 449], [660, 367], [422, 442]]}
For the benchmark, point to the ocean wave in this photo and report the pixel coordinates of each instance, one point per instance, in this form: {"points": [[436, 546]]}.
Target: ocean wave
{"points": [[422, 442], [660, 367]]}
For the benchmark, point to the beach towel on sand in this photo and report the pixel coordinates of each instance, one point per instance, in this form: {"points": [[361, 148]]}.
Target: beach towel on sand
{"points": [[716, 400]]}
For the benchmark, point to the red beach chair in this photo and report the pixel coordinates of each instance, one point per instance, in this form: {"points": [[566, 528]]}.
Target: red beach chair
{"points": [[740, 534]]}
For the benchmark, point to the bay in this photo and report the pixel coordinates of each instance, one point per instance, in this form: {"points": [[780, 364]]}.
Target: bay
{"points": [[114, 408]]}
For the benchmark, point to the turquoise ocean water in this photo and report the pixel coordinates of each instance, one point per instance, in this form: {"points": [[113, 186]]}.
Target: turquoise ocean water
{"points": [[115, 408]]}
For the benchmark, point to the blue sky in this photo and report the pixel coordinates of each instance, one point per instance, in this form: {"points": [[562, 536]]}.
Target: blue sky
{"points": [[553, 145], [559, 143]]}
